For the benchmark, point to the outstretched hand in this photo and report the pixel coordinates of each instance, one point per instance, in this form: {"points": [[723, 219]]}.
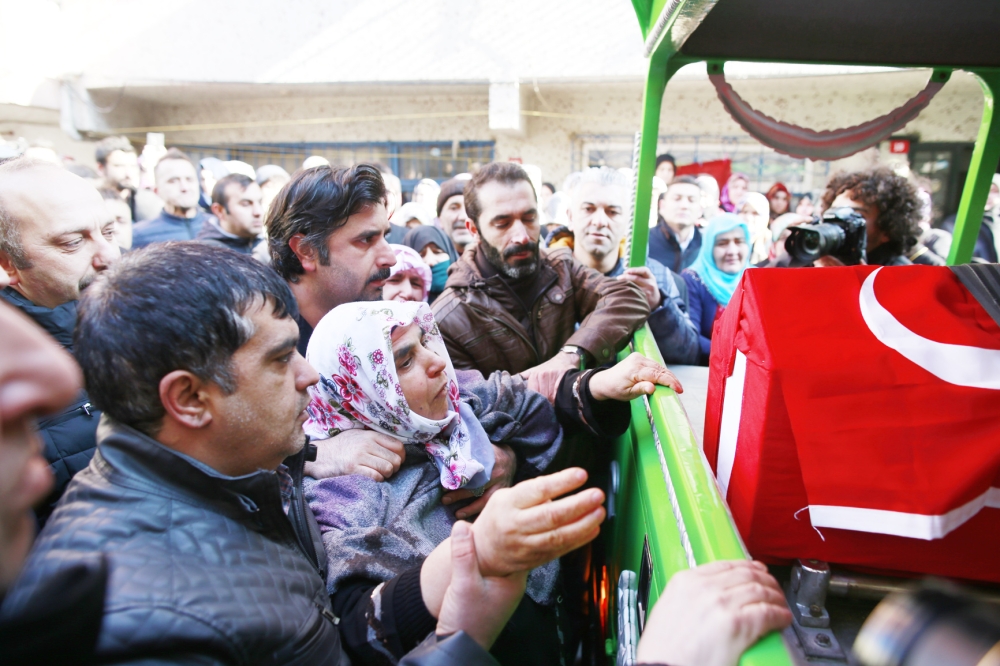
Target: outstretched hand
{"points": [[709, 615], [635, 376], [525, 526], [357, 451], [480, 606]]}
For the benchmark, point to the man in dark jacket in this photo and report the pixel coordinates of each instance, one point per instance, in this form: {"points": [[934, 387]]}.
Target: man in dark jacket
{"points": [[239, 214], [181, 218], [56, 235], [598, 199], [508, 306], [191, 352], [676, 240]]}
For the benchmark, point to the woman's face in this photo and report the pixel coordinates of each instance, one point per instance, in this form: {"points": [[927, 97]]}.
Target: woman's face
{"points": [[730, 251], [413, 222], [779, 203], [421, 373], [737, 189], [750, 215], [805, 207], [403, 287], [432, 254]]}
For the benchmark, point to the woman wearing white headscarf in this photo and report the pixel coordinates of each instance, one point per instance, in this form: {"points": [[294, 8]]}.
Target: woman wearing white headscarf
{"points": [[384, 366], [755, 211]]}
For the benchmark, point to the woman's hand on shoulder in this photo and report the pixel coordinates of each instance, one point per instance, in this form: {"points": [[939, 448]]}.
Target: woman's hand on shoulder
{"points": [[635, 376]]}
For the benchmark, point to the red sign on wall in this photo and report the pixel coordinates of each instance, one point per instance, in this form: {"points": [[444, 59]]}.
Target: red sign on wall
{"points": [[899, 146]]}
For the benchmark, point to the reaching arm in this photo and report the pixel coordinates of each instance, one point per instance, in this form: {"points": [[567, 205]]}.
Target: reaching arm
{"points": [[611, 311]]}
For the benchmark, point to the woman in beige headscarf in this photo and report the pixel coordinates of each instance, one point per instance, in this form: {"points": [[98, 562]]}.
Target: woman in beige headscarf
{"points": [[755, 211]]}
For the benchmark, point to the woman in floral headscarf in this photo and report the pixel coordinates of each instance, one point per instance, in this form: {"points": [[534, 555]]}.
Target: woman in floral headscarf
{"points": [[384, 366], [733, 191]]}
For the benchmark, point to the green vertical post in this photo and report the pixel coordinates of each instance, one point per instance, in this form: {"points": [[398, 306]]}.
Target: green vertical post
{"points": [[661, 68], [981, 170]]}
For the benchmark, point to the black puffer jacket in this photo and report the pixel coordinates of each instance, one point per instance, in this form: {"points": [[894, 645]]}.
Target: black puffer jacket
{"points": [[69, 436], [204, 568]]}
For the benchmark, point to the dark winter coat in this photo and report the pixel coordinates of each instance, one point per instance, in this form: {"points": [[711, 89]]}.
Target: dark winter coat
{"points": [[213, 234], [204, 568], [482, 320], [167, 227], [68, 437], [703, 310], [985, 248], [664, 247]]}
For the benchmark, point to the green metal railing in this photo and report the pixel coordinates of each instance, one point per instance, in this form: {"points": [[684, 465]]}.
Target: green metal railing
{"points": [[668, 497]]}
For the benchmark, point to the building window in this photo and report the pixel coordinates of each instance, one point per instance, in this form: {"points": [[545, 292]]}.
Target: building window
{"points": [[410, 160]]}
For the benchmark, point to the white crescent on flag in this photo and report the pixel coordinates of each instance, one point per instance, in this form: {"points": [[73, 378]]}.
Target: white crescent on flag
{"points": [[974, 367]]}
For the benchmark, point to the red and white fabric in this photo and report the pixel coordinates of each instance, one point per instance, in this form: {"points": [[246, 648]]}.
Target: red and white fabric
{"points": [[854, 416]]}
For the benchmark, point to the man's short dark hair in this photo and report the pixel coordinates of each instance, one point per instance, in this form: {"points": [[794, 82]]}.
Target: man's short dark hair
{"points": [[219, 191], [110, 144], [177, 154], [552, 188], [679, 180], [892, 195], [315, 203], [171, 306], [505, 173]]}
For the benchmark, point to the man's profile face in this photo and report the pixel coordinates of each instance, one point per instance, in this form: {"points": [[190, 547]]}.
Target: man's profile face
{"points": [[261, 421], [360, 258], [243, 214], [121, 169], [993, 198], [122, 215], [508, 227], [177, 184], [66, 230], [875, 235], [597, 218], [681, 206], [453, 219], [36, 378]]}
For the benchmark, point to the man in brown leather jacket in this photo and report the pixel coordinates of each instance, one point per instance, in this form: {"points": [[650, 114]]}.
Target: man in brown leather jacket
{"points": [[510, 306]]}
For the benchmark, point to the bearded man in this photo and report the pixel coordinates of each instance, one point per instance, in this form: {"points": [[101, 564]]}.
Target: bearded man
{"points": [[510, 306]]}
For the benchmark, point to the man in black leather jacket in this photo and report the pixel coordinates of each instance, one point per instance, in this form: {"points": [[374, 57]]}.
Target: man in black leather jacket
{"points": [[56, 236], [192, 505]]}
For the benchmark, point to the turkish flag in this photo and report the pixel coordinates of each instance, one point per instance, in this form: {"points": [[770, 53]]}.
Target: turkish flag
{"points": [[854, 416]]}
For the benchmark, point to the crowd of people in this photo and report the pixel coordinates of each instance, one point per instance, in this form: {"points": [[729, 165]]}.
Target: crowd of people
{"points": [[286, 418]]}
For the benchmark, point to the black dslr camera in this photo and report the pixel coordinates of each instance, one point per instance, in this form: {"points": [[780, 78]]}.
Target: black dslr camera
{"points": [[841, 234]]}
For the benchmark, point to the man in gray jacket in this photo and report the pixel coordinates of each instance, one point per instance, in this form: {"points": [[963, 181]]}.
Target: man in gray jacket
{"points": [[193, 502]]}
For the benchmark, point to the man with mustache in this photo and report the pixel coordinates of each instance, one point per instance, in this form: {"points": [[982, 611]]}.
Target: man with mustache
{"points": [[56, 235], [327, 231], [509, 306]]}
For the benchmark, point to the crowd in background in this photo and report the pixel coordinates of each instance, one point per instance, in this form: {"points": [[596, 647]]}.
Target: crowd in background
{"points": [[448, 357]]}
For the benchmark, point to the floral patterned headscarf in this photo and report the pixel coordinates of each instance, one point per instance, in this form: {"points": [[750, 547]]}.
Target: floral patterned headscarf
{"points": [[351, 349]]}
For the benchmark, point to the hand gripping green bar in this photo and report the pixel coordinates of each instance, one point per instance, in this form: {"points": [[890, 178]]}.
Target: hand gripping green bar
{"points": [[687, 520]]}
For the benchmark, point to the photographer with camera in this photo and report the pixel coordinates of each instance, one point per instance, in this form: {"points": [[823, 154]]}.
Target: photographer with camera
{"points": [[872, 217]]}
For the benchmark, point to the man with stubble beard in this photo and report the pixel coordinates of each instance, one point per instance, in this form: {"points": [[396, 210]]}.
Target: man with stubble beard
{"points": [[509, 306]]}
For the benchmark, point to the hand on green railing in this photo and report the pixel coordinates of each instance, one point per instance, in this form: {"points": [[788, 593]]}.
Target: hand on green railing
{"points": [[709, 615], [631, 378]]}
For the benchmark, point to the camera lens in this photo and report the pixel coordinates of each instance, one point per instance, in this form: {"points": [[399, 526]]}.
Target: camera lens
{"points": [[809, 242]]}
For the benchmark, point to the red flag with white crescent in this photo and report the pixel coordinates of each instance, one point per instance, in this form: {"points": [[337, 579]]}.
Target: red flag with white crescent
{"points": [[854, 416]]}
